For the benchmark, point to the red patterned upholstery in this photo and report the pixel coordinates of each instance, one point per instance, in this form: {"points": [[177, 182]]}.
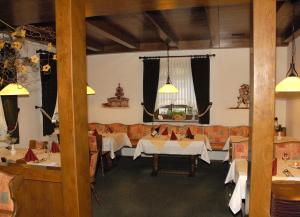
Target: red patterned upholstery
{"points": [[239, 131]]}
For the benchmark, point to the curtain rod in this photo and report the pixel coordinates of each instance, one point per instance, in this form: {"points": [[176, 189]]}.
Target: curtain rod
{"points": [[192, 56]]}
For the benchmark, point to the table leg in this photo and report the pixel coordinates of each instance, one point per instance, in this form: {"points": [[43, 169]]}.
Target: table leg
{"points": [[193, 165], [155, 165]]}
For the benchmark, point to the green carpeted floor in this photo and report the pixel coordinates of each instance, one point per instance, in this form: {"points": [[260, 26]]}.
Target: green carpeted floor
{"points": [[128, 190]]}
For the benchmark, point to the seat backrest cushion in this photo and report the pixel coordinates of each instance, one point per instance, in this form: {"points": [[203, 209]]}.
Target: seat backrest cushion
{"points": [[6, 202], [239, 131], [217, 134]]}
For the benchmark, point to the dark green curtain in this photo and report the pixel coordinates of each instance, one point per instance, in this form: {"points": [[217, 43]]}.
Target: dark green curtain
{"points": [[49, 90], [201, 80], [9, 103], [150, 85]]}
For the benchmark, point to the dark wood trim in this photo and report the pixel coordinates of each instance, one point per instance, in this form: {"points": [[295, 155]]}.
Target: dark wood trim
{"points": [[111, 32], [103, 8], [183, 45], [72, 105], [212, 14], [37, 173], [262, 107], [164, 31]]}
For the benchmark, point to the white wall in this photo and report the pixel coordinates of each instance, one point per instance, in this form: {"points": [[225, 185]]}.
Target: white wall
{"points": [[229, 69], [293, 100]]}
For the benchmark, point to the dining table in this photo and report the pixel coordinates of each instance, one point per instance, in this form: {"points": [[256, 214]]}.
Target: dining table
{"points": [[113, 142], [287, 170], [45, 157], [162, 145]]}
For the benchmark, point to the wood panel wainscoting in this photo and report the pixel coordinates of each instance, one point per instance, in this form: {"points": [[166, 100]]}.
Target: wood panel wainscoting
{"points": [[40, 193]]}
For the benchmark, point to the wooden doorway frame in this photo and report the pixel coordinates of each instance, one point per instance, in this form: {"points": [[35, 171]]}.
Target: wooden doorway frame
{"points": [[70, 16]]}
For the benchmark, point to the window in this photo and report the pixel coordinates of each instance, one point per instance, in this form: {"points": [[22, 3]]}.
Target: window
{"points": [[181, 105]]}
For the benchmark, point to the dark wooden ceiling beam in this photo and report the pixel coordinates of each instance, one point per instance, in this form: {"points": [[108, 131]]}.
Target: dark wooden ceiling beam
{"points": [[213, 22], [284, 17], [111, 32], [112, 7], [163, 29], [93, 45], [184, 45]]}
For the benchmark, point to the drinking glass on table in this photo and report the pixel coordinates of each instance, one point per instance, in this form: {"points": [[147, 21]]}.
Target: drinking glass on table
{"points": [[285, 156]]}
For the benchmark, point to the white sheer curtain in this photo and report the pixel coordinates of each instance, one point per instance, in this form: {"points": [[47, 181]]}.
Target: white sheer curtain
{"points": [[181, 77]]}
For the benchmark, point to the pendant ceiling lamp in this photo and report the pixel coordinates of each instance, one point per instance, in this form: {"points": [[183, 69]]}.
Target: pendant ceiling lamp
{"points": [[168, 87], [89, 90], [14, 89], [292, 82]]}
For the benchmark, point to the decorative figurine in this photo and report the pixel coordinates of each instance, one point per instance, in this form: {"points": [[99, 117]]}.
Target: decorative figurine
{"points": [[119, 100], [244, 97]]}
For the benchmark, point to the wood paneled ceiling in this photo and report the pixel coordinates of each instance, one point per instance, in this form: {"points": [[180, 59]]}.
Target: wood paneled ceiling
{"points": [[153, 25]]}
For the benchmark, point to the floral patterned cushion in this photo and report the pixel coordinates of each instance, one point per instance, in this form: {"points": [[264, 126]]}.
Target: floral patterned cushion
{"points": [[93, 163], [100, 127], [291, 149], [6, 202], [117, 128], [93, 146], [240, 150], [216, 134], [137, 131], [239, 131]]}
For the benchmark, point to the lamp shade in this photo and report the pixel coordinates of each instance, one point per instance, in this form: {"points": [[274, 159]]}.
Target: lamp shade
{"points": [[168, 88], [89, 90], [289, 84], [14, 89]]}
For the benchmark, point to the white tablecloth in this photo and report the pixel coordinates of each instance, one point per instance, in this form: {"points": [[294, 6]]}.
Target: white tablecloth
{"points": [[115, 141], [50, 159], [172, 147], [238, 174]]}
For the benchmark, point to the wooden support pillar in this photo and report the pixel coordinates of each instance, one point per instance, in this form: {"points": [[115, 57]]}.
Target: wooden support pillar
{"points": [[72, 102], [262, 108]]}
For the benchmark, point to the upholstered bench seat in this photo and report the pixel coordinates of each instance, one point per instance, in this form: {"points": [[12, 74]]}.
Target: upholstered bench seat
{"points": [[216, 134]]}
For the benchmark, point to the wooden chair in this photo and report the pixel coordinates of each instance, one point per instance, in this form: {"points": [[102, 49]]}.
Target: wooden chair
{"points": [[9, 186], [285, 199], [95, 149]]}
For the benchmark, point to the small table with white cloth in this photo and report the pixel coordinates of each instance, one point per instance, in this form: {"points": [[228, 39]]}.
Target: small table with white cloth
{"points": [[113, 142], [238, 174], [162, 145]]}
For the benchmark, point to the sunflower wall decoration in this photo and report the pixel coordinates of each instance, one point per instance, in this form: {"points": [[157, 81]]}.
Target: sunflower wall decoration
{"points": [[14, 67]]}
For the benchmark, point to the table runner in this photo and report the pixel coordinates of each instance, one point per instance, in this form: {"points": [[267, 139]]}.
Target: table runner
{"points": [[162, 145]]}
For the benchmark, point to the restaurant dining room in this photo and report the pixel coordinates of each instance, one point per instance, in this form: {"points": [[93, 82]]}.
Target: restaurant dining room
{"points": [[149, 108]]}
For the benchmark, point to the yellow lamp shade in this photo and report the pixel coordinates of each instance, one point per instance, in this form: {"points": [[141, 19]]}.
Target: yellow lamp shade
{"points": [[89, 90], [168, 88], [289, 84], [14, 89]]}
